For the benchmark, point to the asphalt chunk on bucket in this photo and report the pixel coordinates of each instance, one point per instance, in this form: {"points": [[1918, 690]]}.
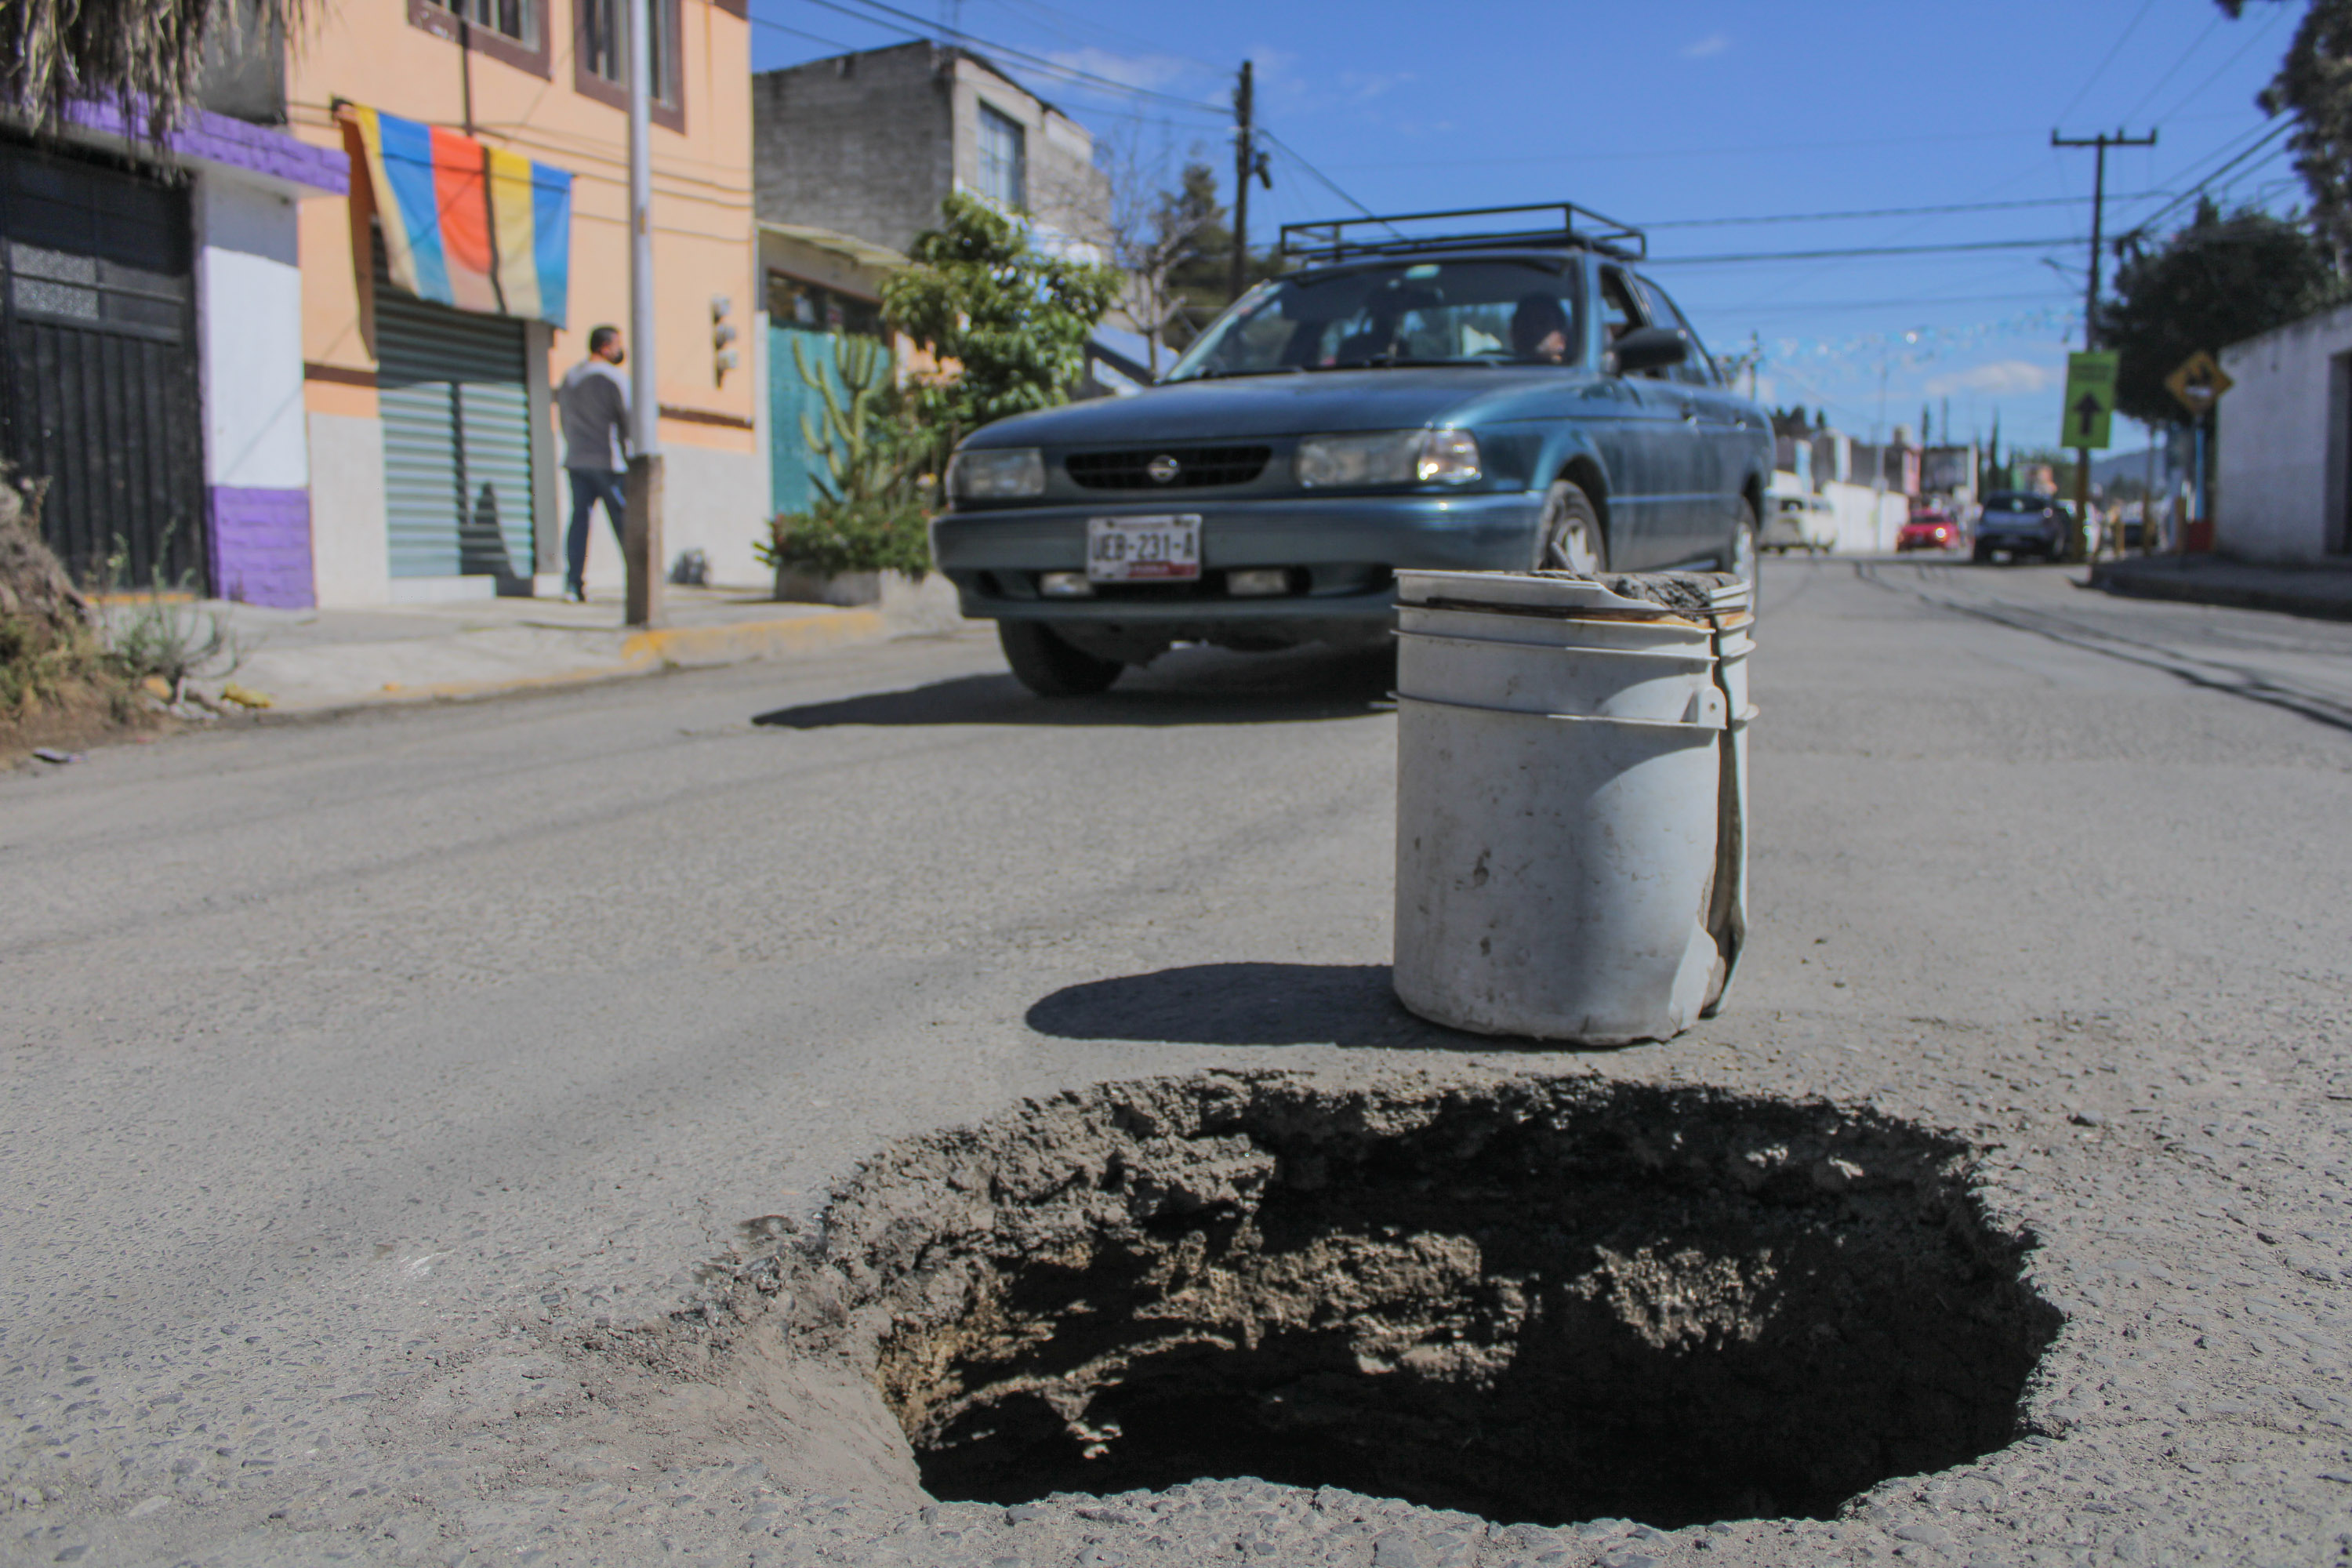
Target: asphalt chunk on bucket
{"points": [[1571, 799], [1537, 1300]]}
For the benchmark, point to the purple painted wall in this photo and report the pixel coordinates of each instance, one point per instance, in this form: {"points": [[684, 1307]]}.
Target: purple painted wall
{"points": [[218, 139], [261, 547]]}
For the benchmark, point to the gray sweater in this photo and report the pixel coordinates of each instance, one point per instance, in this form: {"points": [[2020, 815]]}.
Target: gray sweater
{"points": [[595, 399]]}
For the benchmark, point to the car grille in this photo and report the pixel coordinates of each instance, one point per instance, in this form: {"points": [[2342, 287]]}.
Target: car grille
{"points": [[1197, 468]]}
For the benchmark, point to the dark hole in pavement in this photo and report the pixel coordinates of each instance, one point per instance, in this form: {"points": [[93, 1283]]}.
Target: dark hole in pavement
{"points": [[1537, 1299]]}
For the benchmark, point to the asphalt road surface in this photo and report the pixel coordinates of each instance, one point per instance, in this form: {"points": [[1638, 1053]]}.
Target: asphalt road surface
{"points": [[376, 1090]]}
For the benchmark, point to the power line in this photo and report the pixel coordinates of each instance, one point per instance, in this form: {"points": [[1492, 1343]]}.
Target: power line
{"points": [[1745, 147], [920, 29], [2260, 33], [2101, 69], [797, 33], [1075, 21], [1864, 250], [1892, 212], [1320, 177], [2186, 56], [2152, 219]]}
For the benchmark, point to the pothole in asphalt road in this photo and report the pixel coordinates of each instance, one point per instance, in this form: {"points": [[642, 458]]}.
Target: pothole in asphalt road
{"points": [[1537, 1299]]}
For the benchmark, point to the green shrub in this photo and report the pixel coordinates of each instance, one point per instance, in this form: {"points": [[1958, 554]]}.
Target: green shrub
{"points": [[831, 537]]}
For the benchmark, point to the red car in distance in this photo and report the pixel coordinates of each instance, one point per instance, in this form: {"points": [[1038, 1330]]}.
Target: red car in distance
{"points": [[1929, 531]]}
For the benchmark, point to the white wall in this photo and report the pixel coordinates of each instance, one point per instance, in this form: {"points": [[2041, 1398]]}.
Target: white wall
{"points": [[249, 308], [714, 501], [351, 555], [1867, 522], [2281, 479]]}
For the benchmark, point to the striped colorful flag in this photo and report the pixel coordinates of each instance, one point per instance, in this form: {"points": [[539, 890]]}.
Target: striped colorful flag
{"points": [[467, 224]]}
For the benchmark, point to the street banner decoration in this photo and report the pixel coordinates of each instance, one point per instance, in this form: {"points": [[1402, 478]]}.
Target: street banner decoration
{"points": [[2198, 382], [2090, 405], [465, 223]]}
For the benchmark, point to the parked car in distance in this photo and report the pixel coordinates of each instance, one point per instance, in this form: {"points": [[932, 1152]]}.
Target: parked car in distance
{"points": [[1402, 396], [2017, 523], [1799, 522], [1930, 528]]}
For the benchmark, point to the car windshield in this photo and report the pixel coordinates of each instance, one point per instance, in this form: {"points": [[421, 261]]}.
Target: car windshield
{"points": [[2016, 503], [1437, 312]]}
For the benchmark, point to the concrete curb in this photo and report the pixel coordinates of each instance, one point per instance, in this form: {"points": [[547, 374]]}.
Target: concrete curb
{"points": [[2330, 601], [630, 654]]}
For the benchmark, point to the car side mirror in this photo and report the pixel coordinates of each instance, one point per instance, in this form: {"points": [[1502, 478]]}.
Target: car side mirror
{"points": [[1652, 348]]}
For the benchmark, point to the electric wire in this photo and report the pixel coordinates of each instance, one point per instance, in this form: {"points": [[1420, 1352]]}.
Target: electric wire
{"points": [[2109, 59]]}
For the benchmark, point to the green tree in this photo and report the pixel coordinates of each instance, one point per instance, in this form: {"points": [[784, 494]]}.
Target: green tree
{"points": [[2214, 282], [2314, 85], [1013, 319]]}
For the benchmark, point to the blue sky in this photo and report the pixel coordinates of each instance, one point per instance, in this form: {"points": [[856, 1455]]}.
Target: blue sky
{"points": [[1686, 117]]}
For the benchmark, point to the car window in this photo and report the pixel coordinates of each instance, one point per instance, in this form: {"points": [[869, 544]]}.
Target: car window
{"points": [[1699, 369], [1424, 312], [1619, 313]]}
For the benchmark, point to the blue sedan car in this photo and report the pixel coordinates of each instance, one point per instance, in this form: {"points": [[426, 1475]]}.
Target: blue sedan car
{"points": [[1482, 402]]}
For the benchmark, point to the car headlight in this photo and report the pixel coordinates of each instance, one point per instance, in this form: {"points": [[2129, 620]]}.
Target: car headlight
{"points": [[1388, 458], [997, 473]]}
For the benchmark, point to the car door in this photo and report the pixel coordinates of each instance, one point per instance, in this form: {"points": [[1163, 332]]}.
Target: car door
{"points": [[1642, 437], [1707, 459]]}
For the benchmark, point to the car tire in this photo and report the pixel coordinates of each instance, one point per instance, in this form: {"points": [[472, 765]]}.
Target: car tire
{"points": [[1982, 554], [1050, 666], [1569, 537], [1740, 557]]}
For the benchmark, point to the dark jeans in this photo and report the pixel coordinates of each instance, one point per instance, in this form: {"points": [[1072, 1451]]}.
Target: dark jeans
{"points": [[589, 485]]}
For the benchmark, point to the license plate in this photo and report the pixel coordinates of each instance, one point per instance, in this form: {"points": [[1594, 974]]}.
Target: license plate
{"points": [[1142, 549]]}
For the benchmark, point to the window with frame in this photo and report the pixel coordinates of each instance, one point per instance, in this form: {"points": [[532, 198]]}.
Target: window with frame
{"points": [[515, 19], [796, 302], [1004, 158], [514, 31], [603, 57]]}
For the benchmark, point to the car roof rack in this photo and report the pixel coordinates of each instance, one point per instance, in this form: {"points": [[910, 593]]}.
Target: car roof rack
{"points": [[1569, 226]]}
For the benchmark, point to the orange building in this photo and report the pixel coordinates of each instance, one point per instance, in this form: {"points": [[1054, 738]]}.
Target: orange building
{"points": [[434, 455]]}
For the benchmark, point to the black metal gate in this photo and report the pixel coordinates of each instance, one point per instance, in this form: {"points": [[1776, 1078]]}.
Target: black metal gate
{"points": [[98, 395]]}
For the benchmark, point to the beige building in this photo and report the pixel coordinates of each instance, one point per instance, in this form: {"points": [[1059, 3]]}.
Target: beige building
{"points": [[434, 462]]}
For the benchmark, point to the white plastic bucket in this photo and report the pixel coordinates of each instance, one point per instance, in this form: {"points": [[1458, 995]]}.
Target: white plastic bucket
{"points": [[1554, 873], [1531, 677], [1572, 801], [1661, 634]]}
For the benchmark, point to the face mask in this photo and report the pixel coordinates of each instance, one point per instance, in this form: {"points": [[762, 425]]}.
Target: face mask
{"points": [[620, 356]]}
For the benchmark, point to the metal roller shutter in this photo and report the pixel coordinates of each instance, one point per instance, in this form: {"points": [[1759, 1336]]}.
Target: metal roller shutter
{"points": [[455, 404]]}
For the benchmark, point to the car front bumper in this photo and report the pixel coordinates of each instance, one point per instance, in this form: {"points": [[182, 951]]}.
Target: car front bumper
{"points": [[1342, 550]]}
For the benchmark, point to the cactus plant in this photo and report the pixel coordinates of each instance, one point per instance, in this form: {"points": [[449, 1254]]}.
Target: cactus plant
{"points": [[856, 435]]}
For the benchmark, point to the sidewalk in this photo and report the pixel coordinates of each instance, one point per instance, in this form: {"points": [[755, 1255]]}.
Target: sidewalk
{"points": [[312, 661], [2324, 592]]}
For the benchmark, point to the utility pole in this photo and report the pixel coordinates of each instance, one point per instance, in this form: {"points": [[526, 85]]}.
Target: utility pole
{"points": [[1244, 166], [641, 530], [2078, 547]]}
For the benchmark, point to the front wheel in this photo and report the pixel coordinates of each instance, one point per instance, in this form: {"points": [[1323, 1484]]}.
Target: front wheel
{"points": [[1571, 539], [1739, 554], [1050, 666]]}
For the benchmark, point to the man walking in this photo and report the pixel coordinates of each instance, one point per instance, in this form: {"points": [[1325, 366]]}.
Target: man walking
{"points": [[595, 401]]}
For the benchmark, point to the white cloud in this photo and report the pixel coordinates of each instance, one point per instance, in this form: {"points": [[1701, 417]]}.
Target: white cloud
{"points": [[1133, 71], [1713, 44], [1364, 87], [2001, 378]]}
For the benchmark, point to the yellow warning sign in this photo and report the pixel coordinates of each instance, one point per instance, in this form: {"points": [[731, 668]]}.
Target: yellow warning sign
{"points": [[2199, 382]]}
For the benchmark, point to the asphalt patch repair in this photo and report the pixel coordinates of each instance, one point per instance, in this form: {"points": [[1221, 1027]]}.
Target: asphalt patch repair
{"points": [[1537, 1299]]}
